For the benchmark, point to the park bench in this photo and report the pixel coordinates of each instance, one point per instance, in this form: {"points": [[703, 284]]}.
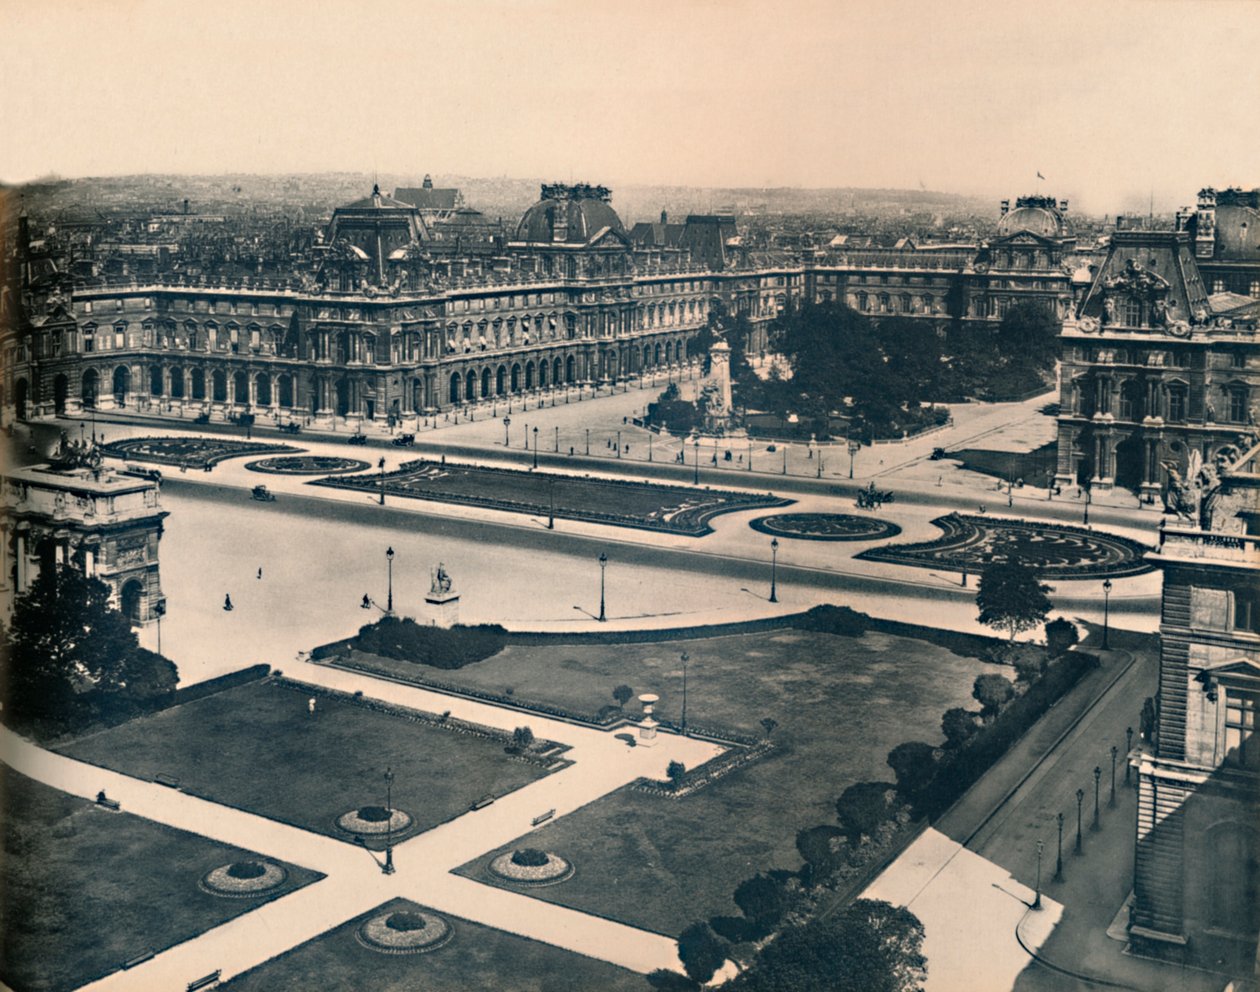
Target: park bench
{"points": [[205, 981], [482, 803], [542, 817], [168, 780], [105, 802]]}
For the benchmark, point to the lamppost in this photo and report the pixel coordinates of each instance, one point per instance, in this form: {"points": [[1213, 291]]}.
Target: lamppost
{"points": [[603, 564], [1097, 779], [551, 511], [685, 659], [1128, 749], [553, 403], [774, 563], [1088, 497], [649, 445], [854, 447], [1112, 801], [697, 481], [527, 437], [382, 468], [1037, 901], [1080, 798], [389, 595], [588, 440], [159, 611], [619, 444], [785, 451], [1058, 862], [1106, 613], [507, 438], [819, 453], [388, 867], [535, 447]]}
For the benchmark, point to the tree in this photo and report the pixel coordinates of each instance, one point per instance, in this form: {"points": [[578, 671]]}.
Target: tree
{"points": [[768, 724], [958, 725], [815, 848], [1029, 333], [1061, 635], [862, 808], [869, 946], [762, 899], [1010, 597], [1028, 667], [676, 770], [914, 764], [701, 952], [671, 981], [623, 694], [70, 652], [992, 692]]}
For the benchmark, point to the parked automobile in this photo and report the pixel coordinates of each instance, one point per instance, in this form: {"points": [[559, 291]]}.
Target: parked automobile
{"points": [[405, 440], [140, 471], [201, 418], [263, 494], [357, 439], [290, 428], [938, 454]]}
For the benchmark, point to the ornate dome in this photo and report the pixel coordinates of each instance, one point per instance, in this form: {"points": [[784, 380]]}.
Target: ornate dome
{"points": [[1040, 215], [569, 215]]}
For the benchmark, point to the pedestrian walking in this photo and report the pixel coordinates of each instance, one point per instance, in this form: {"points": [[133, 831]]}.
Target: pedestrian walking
{"points": [[310, 708], [227, 603], [260, 571]]}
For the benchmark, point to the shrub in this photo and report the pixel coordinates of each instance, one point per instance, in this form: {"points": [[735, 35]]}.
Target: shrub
{"points": [[762, 899], [815, 848], [373, 814], [1029, 666], [914, 764], [623, 694], [676, 771], [992, 692], [736, 929], [437, 647], [1060, 636], [839, 620], [522, 739], [246, 869], [671, 981], [406, 922], [529, 857], [958, 725]]}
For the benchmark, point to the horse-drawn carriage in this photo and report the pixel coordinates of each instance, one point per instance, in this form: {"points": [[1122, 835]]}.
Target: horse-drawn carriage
{"points": [[871, 498]]}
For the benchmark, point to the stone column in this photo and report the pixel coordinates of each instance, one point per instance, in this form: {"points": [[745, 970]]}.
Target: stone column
{"points": [[19, 556]]}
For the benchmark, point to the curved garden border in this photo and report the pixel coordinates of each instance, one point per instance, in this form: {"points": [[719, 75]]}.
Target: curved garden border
{"points": [[221, 882], [376, 934], [187, 450], [826, 527]]}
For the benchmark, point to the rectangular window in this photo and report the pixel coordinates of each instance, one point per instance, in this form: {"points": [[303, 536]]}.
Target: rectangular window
{"points": [[1237, 406], [1177, 404], [1240, 727], [1247, 612]]}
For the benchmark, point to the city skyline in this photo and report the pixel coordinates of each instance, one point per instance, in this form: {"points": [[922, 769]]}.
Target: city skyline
{"points": [[975, 100]]}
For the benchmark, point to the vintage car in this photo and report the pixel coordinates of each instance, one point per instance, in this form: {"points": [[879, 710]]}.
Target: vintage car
{"points": [[357, 439], [938, 454], [201, 418], [263, 494], [290, 428], [405, 440]]}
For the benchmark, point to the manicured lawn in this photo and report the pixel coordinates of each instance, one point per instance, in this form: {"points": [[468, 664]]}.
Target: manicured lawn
{"points": [[84, 889], [256, 747], [841, 704], [477, 957]]}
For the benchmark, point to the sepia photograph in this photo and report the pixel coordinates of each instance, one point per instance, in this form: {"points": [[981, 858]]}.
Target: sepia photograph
{"points": [[563, 496]]}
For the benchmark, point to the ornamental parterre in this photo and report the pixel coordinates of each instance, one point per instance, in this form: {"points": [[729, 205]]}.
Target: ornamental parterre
{"points": [[243, 879], [553, 871], [405, 932], [1055, 550], [189, 451], [825, 527], [644, 505]]}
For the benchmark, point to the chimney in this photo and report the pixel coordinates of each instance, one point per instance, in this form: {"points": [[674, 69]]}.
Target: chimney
{"points": [[1205, 224], [1006, 208], [185, 206], [1063, 206], [664, 216]]}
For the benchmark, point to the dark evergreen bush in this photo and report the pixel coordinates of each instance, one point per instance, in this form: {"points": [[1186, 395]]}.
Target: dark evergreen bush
{"points": [[437, 647], [529, 857]]}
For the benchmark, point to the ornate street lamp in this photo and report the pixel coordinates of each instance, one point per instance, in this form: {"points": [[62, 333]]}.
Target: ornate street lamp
{"points": [[774, 563], [507, 438], [1058, 861], [388, 867], [854, 448], [1128, 749], [389, 595], [1097, 779], [1080, 798], [1112, 801], [685, 659], [697, 480], [1106, 613], [535, 446], [382, 468], [603, 564], [1037, 901]]}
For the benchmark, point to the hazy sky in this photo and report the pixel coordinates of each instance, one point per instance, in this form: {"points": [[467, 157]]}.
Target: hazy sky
{"points": [[1109, 100]]}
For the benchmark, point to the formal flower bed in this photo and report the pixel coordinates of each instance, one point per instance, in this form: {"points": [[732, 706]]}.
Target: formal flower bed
{"points": [[374, 820], [243, 879], [530, 866], [825, 527], [307, 465], [405, 932]]}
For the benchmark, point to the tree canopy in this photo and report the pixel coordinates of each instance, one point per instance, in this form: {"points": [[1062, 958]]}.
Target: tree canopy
{"points": [[71, 655], [1010, 598]]}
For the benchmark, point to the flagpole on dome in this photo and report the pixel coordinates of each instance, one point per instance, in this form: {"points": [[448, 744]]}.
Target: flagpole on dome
{"points": [[1040, 177]]}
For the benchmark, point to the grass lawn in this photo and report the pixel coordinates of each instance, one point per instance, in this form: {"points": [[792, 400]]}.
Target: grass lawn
{"points": [[476, 958], [256, 747], [84, 889], [841, 703]]}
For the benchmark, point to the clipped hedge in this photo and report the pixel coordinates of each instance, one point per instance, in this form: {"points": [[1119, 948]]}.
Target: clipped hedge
{"points": [[963, 766], [437, 647], [212, 686]]}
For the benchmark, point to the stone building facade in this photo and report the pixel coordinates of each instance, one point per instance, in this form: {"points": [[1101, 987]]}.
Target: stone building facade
{"points": [[1197, 864], [1154, 368]]}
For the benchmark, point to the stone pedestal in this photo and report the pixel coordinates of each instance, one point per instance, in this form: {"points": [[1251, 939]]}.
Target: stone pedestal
{"points": [[648, 725], [442, 608]]}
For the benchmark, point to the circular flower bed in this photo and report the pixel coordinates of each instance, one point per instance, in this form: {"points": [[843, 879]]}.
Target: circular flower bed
{"points": [[523, 868], [374, 821], [825, 527], [307, 465], [405, 932], [243, 879]]}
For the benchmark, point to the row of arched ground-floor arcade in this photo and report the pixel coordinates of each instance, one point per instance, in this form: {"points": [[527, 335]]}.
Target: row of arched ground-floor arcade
{"points": [[177, 387]]}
